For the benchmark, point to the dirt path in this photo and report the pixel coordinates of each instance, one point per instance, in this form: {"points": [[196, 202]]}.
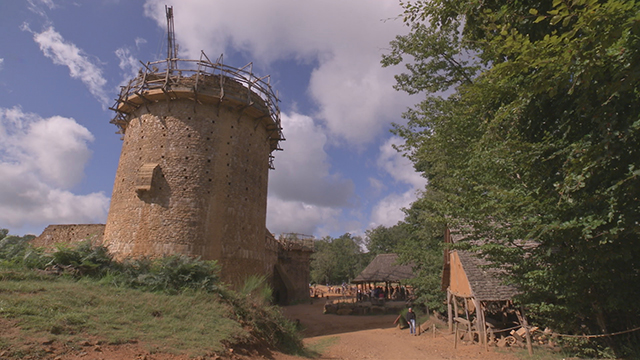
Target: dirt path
{"points": [[376, 337]]}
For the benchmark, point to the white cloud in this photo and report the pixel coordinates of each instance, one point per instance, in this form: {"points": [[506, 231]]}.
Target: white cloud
{"points": [[128, 64], [376, 186], [139, 42], [345, 38], [398, 166], [36, 6], [303, 193], [303, 170], [80, 66], [297, 217], [39, 160], [1, 63], [388, 211]]}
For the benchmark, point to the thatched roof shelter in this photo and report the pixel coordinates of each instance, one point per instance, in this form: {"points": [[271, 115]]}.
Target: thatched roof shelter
{"points": [[384, 268]]}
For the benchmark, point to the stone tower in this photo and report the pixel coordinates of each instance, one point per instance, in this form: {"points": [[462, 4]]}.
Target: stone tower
{"points": [[193, 172]]}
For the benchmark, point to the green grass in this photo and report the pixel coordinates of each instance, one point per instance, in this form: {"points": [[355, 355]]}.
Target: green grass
{"points": [[66, 310], [317, 348], [169, 304]]}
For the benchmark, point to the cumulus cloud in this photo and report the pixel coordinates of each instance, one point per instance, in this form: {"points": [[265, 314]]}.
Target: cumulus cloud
{"points": [[346, 39], [40, 159], [388, 211], [303, 192], [297, 217], [53, 46], [303, 169], [399, 167]]}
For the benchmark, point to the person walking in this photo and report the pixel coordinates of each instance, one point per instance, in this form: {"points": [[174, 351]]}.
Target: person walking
{"points": [[411, 320]]}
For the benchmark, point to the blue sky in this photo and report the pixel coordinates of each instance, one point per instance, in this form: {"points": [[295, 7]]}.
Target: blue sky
{"points": [[62, 62]]}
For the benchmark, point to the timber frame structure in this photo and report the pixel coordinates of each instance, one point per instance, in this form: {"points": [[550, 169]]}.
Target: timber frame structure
{"points": [[478, 289], [173, 78]]}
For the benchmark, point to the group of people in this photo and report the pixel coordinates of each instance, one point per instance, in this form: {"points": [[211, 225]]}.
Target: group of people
{"points": [[373, 292], [387, 293], [345, 289]]}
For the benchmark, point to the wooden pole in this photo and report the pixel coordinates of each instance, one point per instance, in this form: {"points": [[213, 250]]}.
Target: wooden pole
{"points": [[449, 311], [455, 304], [466, 311], [481, 327], [525, 325], [455, 336]]}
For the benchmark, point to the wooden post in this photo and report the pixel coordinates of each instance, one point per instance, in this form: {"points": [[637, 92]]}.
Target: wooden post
{"points": [[455, 336], [466, 311], [525, 325], [480, 324], [449, 310], [455, 305]]}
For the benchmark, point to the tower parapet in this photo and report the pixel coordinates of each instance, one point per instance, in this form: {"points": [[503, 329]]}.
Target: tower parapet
{"points": [[202, 81]]}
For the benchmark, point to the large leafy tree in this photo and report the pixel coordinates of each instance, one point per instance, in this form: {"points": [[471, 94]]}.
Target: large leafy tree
{"points": [[385, 240], [337, 260], [537, 149]]}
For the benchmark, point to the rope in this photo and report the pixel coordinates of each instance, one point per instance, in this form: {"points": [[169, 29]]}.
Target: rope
{"points": [[598, 335], [507, 329], [567, 335]]}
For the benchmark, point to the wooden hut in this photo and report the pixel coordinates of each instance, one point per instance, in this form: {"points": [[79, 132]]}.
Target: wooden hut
{"points": [[384, 268], [478, 288]]}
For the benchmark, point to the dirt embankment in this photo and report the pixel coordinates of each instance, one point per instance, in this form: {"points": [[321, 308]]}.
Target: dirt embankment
{"points": [[331, 336]]}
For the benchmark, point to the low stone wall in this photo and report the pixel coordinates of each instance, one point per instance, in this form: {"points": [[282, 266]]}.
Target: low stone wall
{"points": [[363, 308], [69, 234]]}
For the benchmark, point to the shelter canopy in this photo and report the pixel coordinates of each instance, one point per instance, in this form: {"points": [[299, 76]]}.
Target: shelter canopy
{"points": [[384, 268]]}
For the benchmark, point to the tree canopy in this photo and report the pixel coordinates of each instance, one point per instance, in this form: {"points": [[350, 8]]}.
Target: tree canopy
{"points": [[337, 260], [536, 151]]}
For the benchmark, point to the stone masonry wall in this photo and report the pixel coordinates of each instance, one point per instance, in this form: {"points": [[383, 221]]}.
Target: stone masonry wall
{"points": [[207, 194], [295, 263], [69, 234]]}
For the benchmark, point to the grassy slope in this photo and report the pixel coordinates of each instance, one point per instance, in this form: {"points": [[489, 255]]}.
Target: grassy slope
{"points": [[66, 310]]}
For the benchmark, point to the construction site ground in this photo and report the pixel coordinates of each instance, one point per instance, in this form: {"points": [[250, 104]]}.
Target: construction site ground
{"points": [[377, 337]]}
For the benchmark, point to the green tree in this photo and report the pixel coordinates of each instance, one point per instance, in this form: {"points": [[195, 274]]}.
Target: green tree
{"points": [[537, 150], [384, 240], [338, 259]]}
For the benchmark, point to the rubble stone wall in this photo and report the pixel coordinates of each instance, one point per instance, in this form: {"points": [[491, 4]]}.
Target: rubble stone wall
{"points": [[69, 234], [207, 196]]}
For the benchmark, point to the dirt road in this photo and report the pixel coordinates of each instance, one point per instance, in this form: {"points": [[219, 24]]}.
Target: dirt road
{"points": [[376, 337]]}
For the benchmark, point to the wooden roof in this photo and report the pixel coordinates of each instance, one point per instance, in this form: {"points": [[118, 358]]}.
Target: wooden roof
{"points": [[486, 283], [384, 268]]}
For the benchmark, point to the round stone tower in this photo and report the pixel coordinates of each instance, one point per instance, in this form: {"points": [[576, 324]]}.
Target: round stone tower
{"points": [[193, 172]]}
